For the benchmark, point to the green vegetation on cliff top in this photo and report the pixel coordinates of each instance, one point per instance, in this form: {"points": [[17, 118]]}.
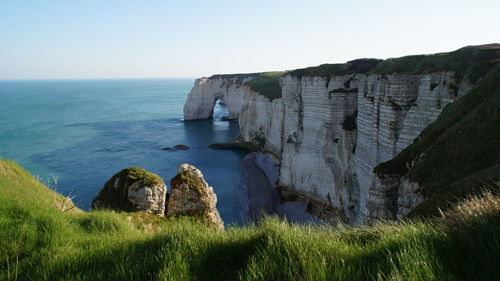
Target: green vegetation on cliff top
{"points": [[39, 242], [472, 62], [136, 173], [328, 70], [267, 84], [457, 153]]}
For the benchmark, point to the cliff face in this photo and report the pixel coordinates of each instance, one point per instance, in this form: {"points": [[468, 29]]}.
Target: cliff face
{"points": [[329, 134], [333, 124], [393, 110], [320, 136], [206, 91], [334, 131], [261, 121]]}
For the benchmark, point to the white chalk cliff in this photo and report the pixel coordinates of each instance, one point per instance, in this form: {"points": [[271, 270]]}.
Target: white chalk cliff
{"points": [[330, 132], [206, 91]]}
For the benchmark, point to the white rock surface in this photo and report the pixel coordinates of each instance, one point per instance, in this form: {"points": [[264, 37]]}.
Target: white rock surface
{"points": [[132, 190], [393, 110], [148, 198], [390, 197], [329, 133], [317, 154], [206, 91], [191, 195], [261, 121]]}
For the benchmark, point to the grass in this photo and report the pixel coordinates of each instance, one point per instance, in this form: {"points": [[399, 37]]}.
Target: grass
{"points": [[472, 62], [457, 153], [267, 84], [44, 243], [328, 70], [237, 75], [135, 173]]}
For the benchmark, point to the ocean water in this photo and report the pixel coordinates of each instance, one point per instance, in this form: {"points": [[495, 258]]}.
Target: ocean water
{"points": [[84, 131]]}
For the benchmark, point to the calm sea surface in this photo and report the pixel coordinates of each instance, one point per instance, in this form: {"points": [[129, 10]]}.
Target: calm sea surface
{"points": [[84, 131]]}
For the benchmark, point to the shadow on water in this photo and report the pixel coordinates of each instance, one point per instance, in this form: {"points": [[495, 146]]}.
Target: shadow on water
{"points": [[84, 168]]}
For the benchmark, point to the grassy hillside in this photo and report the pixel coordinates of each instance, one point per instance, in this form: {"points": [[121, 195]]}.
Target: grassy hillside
{"points": [[40, 242], [459, 152], [267, 84], [473, 62], [328, 70]]}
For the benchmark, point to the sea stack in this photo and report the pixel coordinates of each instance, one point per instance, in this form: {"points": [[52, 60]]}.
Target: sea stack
{"points": [[191, 195], [133, 189]]}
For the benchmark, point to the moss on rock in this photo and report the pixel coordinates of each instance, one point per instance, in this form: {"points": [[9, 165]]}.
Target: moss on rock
{"points": [[126, 191], [190, 195]]}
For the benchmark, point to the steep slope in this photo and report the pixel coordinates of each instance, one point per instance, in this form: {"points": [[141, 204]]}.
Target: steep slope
{"points": [[453, 157]]}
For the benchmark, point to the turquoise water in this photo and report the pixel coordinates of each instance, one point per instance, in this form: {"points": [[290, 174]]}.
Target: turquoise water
{"points": [[84, 131]]}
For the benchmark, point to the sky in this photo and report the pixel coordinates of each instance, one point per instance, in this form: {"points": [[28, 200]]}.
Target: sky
{"points": [[185, 38]]}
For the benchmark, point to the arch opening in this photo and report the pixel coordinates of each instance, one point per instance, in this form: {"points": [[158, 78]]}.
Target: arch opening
{"points": [[220, 111]]}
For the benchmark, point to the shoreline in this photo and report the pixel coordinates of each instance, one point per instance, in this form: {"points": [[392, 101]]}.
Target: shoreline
{"points": [[263, 197]]}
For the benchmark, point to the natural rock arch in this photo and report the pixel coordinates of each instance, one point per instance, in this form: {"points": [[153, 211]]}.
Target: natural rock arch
{"points": [[207, 91]]}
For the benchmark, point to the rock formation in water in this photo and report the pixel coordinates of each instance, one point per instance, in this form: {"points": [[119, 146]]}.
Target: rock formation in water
{"points": [[333, 124], [176, 147], [207, 91], [191, 195], [133, 189]]}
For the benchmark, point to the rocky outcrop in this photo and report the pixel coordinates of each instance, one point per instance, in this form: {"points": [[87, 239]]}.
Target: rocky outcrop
{"points": [[176, 147], [191, 195], [206, 91], [133, 189], [390, 197]]}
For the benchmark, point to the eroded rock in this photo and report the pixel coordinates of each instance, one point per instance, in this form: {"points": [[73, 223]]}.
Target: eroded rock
{"points": [[206, 91], [133, 189], [191, 195]]}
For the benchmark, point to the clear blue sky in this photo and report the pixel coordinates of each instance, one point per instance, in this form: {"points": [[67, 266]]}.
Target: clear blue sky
{"points": [[182, 38]]}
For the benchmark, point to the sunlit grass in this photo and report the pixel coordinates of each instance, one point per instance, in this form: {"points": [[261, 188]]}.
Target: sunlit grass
{"points": [[44, 243]]}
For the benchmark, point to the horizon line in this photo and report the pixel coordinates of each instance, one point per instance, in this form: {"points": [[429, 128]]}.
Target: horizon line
{"points": [[95, 78]]}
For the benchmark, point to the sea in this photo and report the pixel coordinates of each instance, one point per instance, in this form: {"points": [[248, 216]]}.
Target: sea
{"points": [[75, 134]]}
